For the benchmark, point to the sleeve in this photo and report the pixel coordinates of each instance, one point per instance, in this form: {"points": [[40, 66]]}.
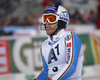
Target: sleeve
{"points": [[44, 74], [73, 46]]}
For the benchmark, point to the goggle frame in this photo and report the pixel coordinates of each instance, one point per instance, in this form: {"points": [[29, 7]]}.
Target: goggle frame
{"points": [[56, 15]]}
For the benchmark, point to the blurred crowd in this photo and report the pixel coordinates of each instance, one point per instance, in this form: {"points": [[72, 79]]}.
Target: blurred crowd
{"points": [[29, 20], [91, 17]]}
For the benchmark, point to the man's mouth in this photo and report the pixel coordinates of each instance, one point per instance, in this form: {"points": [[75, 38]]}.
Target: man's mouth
{"points": [[48, 28]]}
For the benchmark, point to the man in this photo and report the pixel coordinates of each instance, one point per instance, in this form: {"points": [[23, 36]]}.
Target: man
{"points": [[61, 52]]}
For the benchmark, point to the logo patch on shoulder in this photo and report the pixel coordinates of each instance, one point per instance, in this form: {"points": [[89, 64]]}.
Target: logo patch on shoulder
{"points": [[68, 37]]}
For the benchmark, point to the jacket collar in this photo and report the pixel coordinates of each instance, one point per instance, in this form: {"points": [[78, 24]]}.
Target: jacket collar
{"points": [[57, 36]]}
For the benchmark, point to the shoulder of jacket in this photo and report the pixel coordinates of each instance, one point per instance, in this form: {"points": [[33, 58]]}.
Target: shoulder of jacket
{"points": [[45, 42], [67, 33]]}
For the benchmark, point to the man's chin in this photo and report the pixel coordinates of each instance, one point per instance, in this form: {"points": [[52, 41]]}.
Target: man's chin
{"points": [[49, 34]]}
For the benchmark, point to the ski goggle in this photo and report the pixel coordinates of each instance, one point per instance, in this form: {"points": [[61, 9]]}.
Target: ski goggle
{"points": [[51, 18]]}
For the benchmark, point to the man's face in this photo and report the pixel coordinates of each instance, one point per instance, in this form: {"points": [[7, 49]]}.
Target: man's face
{"points": [[50, 28]]}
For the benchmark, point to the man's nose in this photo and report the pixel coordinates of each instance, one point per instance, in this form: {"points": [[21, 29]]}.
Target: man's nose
{"points": [[47, 23]]}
